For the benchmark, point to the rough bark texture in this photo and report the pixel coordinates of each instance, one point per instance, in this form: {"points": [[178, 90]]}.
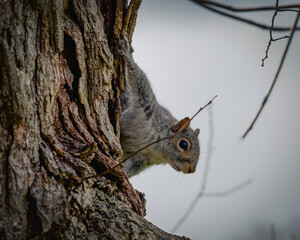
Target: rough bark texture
{"points": [[60, 85]]}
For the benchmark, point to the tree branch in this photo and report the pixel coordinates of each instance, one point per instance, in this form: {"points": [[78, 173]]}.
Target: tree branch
{"points": [[229, 191], [248, 9], [245, 20], [202, 192], [205, 174], [276, 75], [271, 35]]}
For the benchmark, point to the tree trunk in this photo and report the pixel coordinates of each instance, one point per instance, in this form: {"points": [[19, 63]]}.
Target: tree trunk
{"points": [[60, 86]]}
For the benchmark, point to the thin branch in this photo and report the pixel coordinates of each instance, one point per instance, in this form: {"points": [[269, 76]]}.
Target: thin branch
{"points": [[248, 9], [288, 10], [203, 108], [271, 35], [152, 143], [280, 38], [276, 75], [130, 156], [211, 194], [205, 175], [245, 20], [229, 191], [202, 192]]}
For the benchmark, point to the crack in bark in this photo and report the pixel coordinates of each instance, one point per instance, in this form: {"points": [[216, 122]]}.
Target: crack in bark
{"points": [[60, 88]]}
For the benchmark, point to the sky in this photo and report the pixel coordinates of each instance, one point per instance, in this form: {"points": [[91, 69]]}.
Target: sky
{"points": [[191, 55]]}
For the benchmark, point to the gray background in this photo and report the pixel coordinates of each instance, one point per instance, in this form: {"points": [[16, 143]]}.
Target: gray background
{"points": [[190, 55]]}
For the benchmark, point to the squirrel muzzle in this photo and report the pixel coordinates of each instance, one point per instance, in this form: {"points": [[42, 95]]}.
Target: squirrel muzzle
{"points": [[187, 168]]}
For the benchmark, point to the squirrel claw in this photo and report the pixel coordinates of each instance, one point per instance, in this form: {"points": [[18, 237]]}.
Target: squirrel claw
{"points": [[125, 45], [121, 52]]}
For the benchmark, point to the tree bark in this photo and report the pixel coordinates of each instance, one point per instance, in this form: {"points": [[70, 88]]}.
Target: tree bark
{"points": [[60, 86]]}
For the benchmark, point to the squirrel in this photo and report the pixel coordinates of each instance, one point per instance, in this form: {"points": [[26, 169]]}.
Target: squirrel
{"points": [[143, 120]]}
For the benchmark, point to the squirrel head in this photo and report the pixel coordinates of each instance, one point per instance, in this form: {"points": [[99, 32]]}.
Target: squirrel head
{"points": [[182, 151]]}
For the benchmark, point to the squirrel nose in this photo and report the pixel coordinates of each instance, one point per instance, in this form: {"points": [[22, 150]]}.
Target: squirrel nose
{"points": [[191, 169]]}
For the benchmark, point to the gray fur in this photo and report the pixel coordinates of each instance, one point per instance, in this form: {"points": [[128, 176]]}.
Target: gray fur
{"points": [[143, 121]]}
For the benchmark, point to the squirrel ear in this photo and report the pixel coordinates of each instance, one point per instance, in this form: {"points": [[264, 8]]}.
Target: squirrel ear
{"points": [[176, 127], [197, 131]]}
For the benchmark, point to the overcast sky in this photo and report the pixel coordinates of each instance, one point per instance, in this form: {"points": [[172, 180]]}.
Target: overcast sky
{"points": [[190, 55]]}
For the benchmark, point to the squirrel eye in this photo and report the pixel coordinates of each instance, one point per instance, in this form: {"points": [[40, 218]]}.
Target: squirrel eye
{"points": [[183, 144]]}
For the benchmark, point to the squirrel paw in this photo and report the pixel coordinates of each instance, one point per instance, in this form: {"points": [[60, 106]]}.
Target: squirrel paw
{"points": [[125, 48]]}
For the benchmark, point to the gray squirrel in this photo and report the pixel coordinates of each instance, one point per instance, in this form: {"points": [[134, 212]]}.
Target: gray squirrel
{"points": [[144, 120]]}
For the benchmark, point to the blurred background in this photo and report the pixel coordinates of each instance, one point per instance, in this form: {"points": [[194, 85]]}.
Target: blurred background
{"points": [[191, 54]]}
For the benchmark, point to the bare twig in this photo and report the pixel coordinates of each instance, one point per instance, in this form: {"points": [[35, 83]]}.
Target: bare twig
{"points": [[229, 191], [245, 20], [210, 194], [152, 143], [248, 9], [287, 10], [276, 75], [133, 154], [205, 175], [203, 108], [202, 193], [271, 35]]}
